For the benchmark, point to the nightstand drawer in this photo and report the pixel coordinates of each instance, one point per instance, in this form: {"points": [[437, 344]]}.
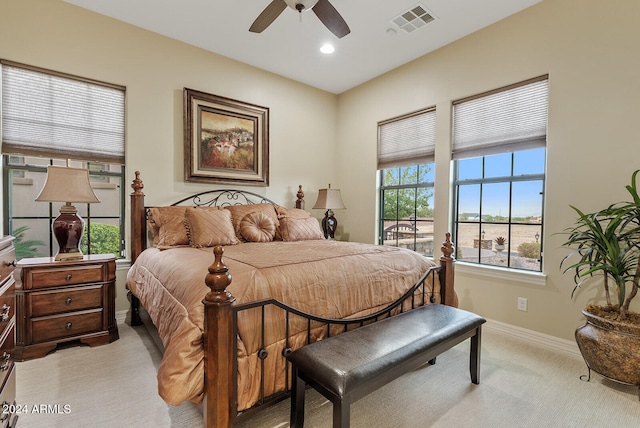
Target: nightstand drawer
{"points": [[7, 303], [7, 262], [70, 324], [65, 300], [54, 277]]}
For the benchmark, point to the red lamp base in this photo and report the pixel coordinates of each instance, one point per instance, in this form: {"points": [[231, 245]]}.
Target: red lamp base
{"points": [[68, 228]]}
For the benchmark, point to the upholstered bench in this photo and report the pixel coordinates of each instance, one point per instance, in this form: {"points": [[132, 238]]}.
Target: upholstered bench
{"points": [[346, 367]]}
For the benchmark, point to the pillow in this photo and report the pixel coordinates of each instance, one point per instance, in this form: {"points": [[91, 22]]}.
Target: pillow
{"points": [[166, 225], [257, 227], [209, 226], [300, 229], [288, 212], [239, 211]]}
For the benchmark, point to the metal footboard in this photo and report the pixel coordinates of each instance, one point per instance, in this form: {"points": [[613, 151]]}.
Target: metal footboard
{"points": [[421, 293]]}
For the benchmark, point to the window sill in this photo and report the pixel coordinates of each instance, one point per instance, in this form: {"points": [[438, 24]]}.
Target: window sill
{"points": [[493, 272]]}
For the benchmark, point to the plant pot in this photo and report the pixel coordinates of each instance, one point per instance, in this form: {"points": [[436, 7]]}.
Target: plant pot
{"points": [[499, 247], [610, 348]]}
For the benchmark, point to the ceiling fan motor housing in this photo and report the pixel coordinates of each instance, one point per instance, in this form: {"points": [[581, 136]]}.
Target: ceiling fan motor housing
{"points": [[301, 5]]}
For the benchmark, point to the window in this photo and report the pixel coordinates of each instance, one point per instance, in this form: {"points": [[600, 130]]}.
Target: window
{"points": [[51, 118], [406, 168], [406, 213], [30, 222], [499, 144]]}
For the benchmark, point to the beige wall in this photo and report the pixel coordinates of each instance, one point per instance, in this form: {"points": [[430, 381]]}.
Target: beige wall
{"points": [[591, 55], [55, 35]]}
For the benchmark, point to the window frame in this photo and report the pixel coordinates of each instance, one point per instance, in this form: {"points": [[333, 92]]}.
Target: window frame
{"points": [[510, 179], [57, 117], [382, 220], [8, 219], [503, 121], [407, 141]]}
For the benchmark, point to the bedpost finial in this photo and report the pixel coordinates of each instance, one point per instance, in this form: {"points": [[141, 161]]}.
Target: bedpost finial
{"points": [[447, 247], [300, 200], [137, 185], [218, 279]]}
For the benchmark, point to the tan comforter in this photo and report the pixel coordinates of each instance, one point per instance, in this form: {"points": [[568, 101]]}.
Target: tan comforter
{"points": [[326, 278]]}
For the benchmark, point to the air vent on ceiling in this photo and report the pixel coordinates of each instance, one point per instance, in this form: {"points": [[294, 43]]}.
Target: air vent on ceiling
{"points": [[414, 18]]}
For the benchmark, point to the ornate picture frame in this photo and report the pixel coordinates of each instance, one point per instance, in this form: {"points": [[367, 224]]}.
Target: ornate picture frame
{"points": [[225, 140]]}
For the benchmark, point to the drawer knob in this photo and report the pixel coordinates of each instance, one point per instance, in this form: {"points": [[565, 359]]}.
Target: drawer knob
{"points": [[68, 326], [5, 415], [68, 277], [11, 263], [67, 301], [6, 357], [5, 312]]}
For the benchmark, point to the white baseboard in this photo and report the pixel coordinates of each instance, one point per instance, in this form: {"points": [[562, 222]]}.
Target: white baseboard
{"points": [[121, 316], [544, 340]]}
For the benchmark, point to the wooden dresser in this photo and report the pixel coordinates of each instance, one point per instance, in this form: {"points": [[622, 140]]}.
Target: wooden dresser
{"points": [[61, 301], [8, 417]]}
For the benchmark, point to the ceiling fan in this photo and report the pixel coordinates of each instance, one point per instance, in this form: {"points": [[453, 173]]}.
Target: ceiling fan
{"points": [[324, 10]]}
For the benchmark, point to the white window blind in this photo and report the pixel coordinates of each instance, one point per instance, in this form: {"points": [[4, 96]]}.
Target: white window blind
{"points": [[505, 120], [407, 140], [55, 115]]}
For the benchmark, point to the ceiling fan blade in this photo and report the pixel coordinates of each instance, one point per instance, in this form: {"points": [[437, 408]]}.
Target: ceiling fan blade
{"points": [[268, 15], [330, 17]]}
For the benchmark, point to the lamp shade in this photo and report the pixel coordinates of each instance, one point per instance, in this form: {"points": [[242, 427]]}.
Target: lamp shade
{"points": [[66, 184], [329, 199]]}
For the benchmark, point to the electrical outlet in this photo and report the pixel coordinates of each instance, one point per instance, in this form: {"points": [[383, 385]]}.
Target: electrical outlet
{"points": [[522, 304]]}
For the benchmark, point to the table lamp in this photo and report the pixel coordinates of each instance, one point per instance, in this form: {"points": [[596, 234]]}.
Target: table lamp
{"points": [[329, 199], [65, 184]]}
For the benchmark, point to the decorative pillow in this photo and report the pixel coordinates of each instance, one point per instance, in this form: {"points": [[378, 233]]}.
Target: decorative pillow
{"points": [[300, 229], [257, 227], [239, 211], [209, 226], [288, 212], [166, 225]]}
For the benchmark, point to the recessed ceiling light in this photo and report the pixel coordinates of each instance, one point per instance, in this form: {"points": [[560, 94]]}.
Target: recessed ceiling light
{"points": [[327, 48]]}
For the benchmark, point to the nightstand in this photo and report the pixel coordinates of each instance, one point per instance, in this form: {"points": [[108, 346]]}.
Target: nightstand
{"points": [[8, 417], [61, 301]]}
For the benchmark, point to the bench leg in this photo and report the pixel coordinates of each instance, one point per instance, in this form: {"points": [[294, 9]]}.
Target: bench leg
{"points": [[297, 400], [474, 359], [341, 414]]}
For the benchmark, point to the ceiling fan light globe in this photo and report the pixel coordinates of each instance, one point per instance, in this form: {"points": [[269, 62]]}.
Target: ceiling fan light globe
{"points": [[301, 5]]}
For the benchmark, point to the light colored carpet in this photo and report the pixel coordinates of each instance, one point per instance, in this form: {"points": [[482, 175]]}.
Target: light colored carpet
{"points": [[112, 385], [521, 386]]}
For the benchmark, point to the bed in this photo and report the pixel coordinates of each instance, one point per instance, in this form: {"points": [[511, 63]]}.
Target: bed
{"points": [[234, 282]]}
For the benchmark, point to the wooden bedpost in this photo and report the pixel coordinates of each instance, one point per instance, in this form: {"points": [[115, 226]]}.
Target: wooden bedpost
{"points": [[137, 218], [138, 238], [300, 196], [446, 273], [219, 355]]}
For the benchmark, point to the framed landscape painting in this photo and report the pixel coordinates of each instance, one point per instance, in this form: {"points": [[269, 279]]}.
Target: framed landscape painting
{"points": [[225, 140]]}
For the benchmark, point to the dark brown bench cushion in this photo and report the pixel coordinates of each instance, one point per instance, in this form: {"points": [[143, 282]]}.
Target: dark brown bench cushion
{"points": [[359, 361]]}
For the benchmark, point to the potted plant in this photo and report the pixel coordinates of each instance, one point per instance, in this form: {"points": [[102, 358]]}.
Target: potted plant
{"points": [[500, 243], [25, 248], [606, 252]]}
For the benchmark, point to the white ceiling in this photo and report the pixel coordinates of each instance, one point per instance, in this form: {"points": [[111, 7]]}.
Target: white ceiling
{"points": [[290, 47]]}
